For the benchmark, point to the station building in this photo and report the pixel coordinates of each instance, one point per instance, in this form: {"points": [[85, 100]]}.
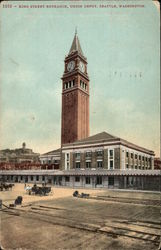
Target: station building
{"points": [[98, 161]]}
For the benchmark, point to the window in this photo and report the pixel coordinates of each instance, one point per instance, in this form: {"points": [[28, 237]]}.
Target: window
{"points": [[73, 82], [111, 153], [127, 166], [69, 84], [77, 179], [67, 178], [31, 178], [77, 165], [139, 167], [99, 153], [88, 154], [127, 154], [99, 164], [132, 155], [111, 164], [139, 157], [135, 166], [37, 177], [67, 157], [88, 164], [143, 158], [88, 180], [146, 159], [77, 155], [111, 180], [99, 180], [43, 178], [136, 156], [60, 179]]}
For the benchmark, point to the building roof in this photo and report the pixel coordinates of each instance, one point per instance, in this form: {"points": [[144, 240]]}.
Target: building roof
{"points": [[76, 46], [104, 137], [56, 151], [97, 137], [83, 172]]}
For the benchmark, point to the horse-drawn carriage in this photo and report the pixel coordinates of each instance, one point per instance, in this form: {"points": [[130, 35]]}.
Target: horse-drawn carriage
{"points": [[37, 190], [82, 195], [6, 186]]}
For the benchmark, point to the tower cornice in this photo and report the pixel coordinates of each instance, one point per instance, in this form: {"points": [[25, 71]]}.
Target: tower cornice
{"points": [[74, 89], [75, 72]]}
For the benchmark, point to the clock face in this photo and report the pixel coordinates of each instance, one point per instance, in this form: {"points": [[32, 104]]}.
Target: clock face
{"points": [[82, 67], [70, 66]]}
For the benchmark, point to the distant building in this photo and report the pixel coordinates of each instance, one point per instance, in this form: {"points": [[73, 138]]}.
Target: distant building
{"points": [[51, 159], [19, 155]]}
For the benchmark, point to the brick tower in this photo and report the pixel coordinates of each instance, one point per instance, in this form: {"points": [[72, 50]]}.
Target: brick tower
{"points": [[75, 95]]}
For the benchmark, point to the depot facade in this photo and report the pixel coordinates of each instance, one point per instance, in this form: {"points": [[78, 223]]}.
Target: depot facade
{"points": [[105, 151]]}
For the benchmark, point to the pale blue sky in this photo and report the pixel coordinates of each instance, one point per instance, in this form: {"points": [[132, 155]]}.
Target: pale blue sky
{"points": [[120, 44]]}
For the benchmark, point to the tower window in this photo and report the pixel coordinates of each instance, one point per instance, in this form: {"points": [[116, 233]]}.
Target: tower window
{"points": [[69, 84], [73, 82]]}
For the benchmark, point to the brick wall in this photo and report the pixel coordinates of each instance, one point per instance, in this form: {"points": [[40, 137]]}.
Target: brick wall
{"points": [[117, 158]]}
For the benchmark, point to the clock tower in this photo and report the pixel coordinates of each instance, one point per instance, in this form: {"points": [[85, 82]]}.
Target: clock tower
{"points": [[75, 95]]}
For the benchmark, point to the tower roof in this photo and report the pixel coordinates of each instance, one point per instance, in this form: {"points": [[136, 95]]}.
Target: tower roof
{"points": [[76, 45]]}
